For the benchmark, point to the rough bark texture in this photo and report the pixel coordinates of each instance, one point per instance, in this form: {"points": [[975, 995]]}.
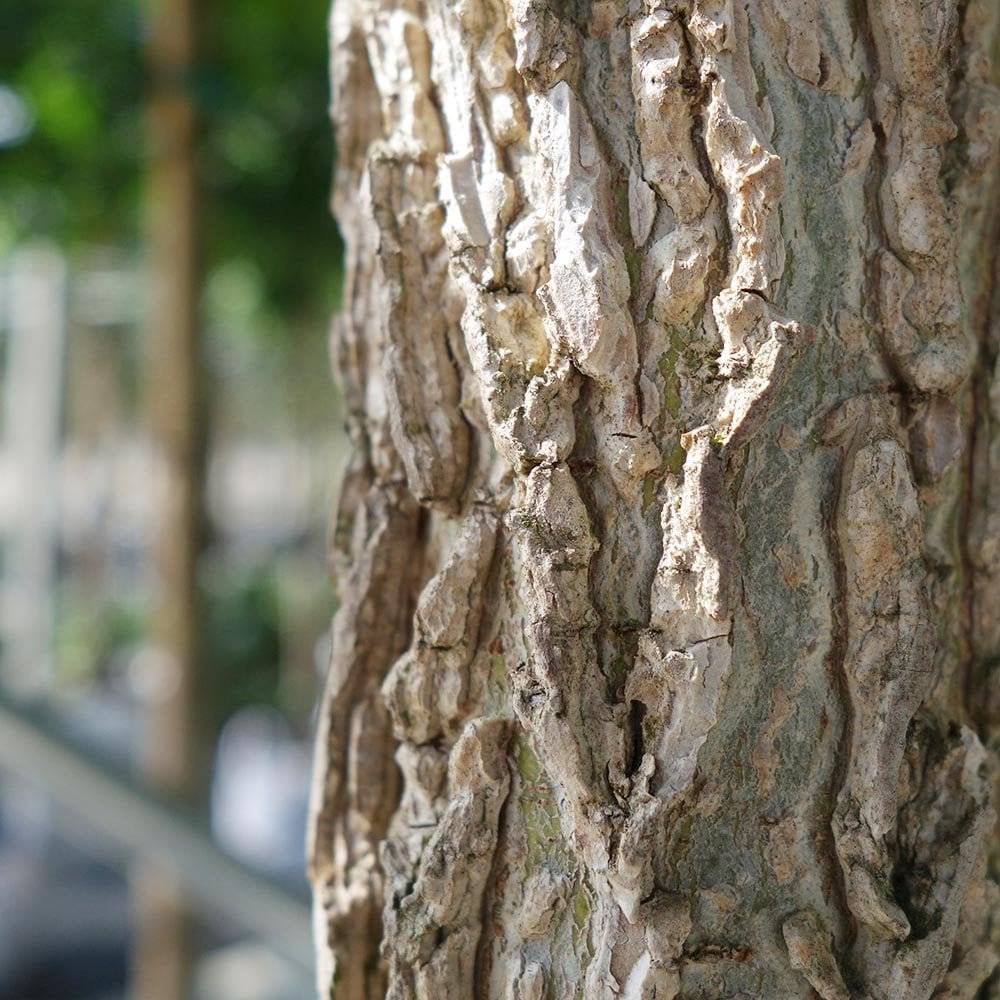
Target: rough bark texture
{"points": [[669, 554]]}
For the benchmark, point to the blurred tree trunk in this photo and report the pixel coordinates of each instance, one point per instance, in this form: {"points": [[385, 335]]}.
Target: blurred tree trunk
{"points": [[173, 758], [669, 554]]}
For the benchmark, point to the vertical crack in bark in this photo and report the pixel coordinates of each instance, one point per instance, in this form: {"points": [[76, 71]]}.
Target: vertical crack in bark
{"points": [[482, 967], [983, 711], [976, 106], [887, 656], [433, 932], [837, 659], [921, 320], [355, 780], [875, 179]]}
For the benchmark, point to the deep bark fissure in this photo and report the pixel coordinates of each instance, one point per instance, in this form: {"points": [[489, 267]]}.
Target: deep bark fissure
{"points": [[836, 661], [978, 416]]}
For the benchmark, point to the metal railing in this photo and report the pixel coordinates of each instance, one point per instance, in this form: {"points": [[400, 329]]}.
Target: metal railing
{"points": [[34, 746]]}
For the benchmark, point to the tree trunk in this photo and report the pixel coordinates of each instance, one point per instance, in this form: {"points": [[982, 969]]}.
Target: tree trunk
{"points": [[173, 752], [669, 554]]}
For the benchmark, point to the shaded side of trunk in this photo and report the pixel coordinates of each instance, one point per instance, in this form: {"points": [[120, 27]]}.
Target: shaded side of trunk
{"points": [[668, 556]]}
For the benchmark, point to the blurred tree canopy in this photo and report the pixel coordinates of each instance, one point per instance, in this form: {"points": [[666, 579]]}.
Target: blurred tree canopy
{"points": [[74, 144], [78, 67]]}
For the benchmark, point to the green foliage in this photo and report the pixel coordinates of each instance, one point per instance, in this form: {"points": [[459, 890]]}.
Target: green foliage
{"points": [[270, 256], [267, 150], [261, 617], [77, 66], [265, 158], [242, 638], [91, 630]]}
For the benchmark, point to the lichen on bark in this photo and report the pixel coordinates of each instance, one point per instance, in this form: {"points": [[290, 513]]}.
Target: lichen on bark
{"points": [[668, 557]]}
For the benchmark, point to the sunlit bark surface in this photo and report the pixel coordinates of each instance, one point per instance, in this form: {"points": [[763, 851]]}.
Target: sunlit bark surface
{"points": [[668, 557]]}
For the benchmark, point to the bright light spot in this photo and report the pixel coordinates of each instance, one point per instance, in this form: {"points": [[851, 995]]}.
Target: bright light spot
{"points": [[16, 120]]}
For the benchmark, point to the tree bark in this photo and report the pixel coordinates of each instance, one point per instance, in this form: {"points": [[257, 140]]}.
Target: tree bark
{"points": [[669, 554]]}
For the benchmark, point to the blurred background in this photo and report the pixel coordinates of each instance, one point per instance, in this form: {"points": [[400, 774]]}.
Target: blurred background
{"points": [[169, 445]]}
